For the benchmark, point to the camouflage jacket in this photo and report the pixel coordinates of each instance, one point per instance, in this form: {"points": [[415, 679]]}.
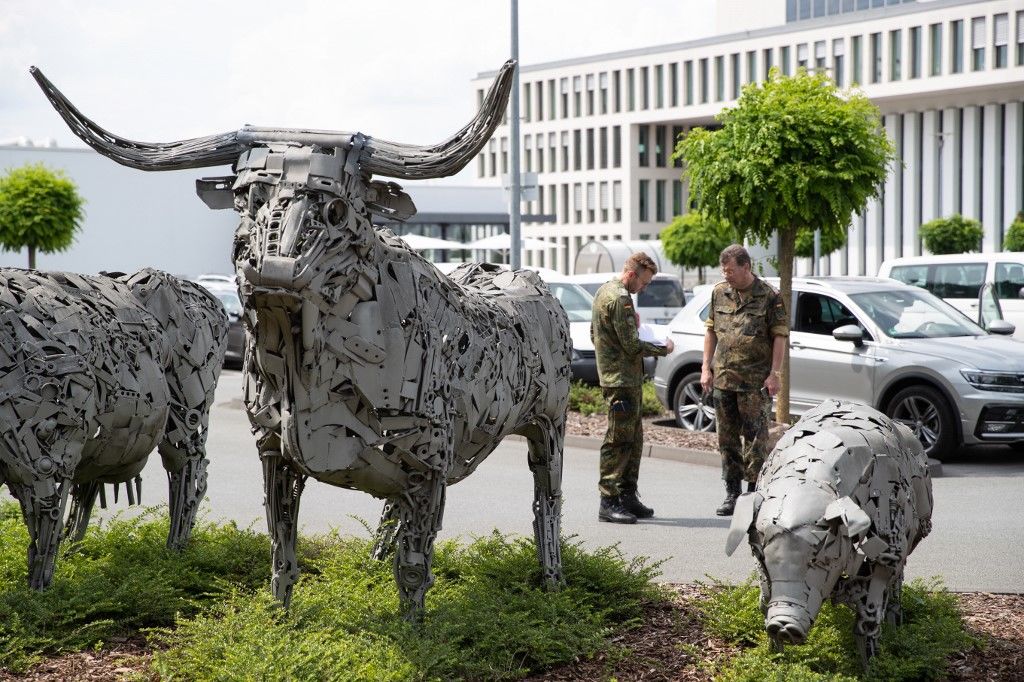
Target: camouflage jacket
{"points": [[617, 344], [745, 329]]}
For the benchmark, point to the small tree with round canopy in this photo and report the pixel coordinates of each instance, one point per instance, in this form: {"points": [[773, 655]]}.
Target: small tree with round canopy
{"points": [[39, 209]]}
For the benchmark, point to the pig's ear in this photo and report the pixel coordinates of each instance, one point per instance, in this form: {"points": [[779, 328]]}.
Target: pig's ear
{"points": [[742, 518], [853, 521]]}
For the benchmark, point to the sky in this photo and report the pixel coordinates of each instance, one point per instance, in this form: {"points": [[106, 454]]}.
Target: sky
{"points": [[393, 69]]}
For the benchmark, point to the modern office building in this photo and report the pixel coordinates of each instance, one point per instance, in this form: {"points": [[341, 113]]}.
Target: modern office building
{"points": [[948, 77]]}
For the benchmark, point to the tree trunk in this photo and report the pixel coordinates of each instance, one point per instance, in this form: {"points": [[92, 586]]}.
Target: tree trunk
{"points": [[31, 257], [787, 245], [700, 274]]}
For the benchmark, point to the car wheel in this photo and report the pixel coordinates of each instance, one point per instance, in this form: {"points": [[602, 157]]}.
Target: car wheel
{"points": [[924, 411], [694, 411]]}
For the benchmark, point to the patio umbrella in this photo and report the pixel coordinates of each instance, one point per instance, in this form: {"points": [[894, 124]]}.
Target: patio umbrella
{"points": [[418, 242], [503, 242]]}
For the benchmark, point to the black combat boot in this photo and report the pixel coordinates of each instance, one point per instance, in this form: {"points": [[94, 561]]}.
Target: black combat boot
{"points": [[732, 491], [631, 503], [612, 511]]}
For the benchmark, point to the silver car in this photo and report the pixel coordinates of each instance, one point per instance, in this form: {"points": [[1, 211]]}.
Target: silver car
{"points": [[882, 343]]}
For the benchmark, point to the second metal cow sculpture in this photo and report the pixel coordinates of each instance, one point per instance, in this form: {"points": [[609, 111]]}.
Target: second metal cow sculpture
{"points": [[367, 368]]}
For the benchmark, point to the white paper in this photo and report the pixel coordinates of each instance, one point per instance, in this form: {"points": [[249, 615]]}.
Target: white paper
{"points": [[654, 333]]}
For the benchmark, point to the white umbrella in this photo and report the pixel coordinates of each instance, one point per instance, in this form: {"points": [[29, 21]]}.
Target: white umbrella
{"points": [[418, 242], [503, 241]]}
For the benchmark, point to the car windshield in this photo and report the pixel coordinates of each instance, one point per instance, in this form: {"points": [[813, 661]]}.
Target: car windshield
{"points": [[230, 301], [577, 303], [662, 293], [911, 314]]}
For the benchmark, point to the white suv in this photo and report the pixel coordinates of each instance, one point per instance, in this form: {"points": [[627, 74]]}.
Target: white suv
{"points": [[657, 304]]}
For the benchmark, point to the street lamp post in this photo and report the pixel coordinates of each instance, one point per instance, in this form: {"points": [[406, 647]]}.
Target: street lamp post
{"points": [[514, 195]]}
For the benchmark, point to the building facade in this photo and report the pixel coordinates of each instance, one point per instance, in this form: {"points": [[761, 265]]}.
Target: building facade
{"points": [[947, 76]]}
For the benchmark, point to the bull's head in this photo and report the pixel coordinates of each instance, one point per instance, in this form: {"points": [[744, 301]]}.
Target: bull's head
{"points": [[304, 196], [803, 535]]}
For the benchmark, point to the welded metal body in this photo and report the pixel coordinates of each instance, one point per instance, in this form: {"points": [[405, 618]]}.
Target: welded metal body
{"points": [[367, 368], [841, 502], [96, 372]]}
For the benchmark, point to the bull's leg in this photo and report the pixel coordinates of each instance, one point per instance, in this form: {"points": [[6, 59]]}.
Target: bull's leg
{"points": [[186, 488], [283, 488], [387, 531], [420, 510], [546, 464], [870, 609], [83, 497], [183, 451], [42, 506], [894, 601]]}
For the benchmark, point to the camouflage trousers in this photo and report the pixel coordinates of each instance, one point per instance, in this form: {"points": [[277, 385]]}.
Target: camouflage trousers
{"points": [[742, 419], [623, 442]]}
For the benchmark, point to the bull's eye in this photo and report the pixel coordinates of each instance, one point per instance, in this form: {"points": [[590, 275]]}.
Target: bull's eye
{"points": [[334, 212]]}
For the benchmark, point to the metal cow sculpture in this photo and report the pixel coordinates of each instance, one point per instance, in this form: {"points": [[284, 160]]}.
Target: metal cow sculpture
{"points": [[841, 502], [367, 368], [96, 371]]}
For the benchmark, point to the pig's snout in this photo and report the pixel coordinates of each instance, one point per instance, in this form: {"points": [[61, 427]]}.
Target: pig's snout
{"points": [[787, 623]]}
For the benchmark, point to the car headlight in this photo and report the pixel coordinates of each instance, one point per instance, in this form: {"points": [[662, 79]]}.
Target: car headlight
{"points": [[1006, 382]]}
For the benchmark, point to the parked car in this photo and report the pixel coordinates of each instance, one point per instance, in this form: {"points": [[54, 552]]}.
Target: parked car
{"points": [[961, 280], [657, 304], [893, 346], [228, 296], [213, 278]]}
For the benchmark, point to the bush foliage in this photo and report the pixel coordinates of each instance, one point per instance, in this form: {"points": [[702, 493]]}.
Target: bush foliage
{"points": [[1014, 240], [588, 400], [954, 234], [39, 209]]}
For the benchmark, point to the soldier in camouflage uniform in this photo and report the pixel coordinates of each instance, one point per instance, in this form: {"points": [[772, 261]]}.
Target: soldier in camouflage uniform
{"points": [[620, 354], [747, 331]]}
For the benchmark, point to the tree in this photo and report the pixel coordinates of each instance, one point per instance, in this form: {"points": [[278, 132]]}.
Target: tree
{"points": [[954, 234], [694, 240], [39, 209], [793, 154], [830, 241], [1014, 240]]}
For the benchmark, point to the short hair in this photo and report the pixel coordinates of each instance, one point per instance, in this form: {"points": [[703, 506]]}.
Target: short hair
{"points": [[734, 252], [640, 261]]}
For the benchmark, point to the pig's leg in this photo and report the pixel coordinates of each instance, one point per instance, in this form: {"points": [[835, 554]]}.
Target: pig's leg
{"points": [[283, 489], [83, 497], [387, 530], [420, 509], [894, 600], [545, 458]]}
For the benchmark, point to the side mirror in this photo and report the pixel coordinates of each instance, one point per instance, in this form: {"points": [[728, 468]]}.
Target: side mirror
{"points": [[1001, 327], [849, 332]]}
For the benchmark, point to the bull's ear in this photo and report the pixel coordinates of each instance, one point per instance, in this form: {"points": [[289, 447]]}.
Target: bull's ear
{"points": [[742, 518], [852, 519]]}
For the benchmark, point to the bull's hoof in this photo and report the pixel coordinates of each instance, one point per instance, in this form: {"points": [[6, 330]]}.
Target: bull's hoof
{"points": [[783, 631]]}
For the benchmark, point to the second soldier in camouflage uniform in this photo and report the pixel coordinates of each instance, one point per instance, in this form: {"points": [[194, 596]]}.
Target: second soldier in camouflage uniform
{"points": [[747, 329], [620, 354]]}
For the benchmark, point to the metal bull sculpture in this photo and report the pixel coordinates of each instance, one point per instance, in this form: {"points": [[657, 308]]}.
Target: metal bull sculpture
{"points": [[841, 502], [367, 368], [96, 371]]}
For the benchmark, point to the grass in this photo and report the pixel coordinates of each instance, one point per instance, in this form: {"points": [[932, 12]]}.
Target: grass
{"points": [[588, 400]]}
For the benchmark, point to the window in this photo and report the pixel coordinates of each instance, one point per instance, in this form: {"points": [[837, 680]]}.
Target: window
{"points": [[688, 87], [630, 90], [552, 152], [603, 84], [659, 200], [801, 56], [676, 132], [734, 66], [617, 200], [876, 57], [504, 155], [527, 101], [751, 66], [591, 202], [1000, 40], [603, 198], [767, 62], [641, 147], [551, 99], [915, 52], [616, 146], [527, 152], [945, 280], [1009, 281], [645, 90], [659, 86], [719, 78], [704, 81], [978, 43], [895, 55], [590, 94], [673, 84], [602, 135], [577, 95], [677, 197], [564, 89], [565, 150], [590, 149], [577, 150], [935, 37], [659, 146], [577, 203], [856, 54], [616, 91], [819, 55], [492, 150], [642, 199], [956, 39], [784, 60], [838, 66], [540, 153], [1020, 38], [481, 165], [818, 314], [565, 203]]}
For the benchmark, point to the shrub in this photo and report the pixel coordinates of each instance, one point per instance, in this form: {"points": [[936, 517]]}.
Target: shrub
{"points": [[1014, 240], [954, 234], [588, 400]]}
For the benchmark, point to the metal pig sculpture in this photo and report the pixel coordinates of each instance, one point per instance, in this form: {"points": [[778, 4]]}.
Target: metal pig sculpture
{"points": [[841, 502], [366, 367], [96, 372]]}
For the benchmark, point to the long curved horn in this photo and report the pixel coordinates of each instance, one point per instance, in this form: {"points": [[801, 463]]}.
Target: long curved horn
{"points": [[411, 162], [199, 152]]}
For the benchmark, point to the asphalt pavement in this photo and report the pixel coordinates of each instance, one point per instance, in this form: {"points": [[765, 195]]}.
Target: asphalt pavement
{"points": [[977, 541]]}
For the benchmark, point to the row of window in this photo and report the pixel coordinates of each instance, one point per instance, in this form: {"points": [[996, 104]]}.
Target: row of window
{"points": [[601, 202], [799, 10], [689, 82]]}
